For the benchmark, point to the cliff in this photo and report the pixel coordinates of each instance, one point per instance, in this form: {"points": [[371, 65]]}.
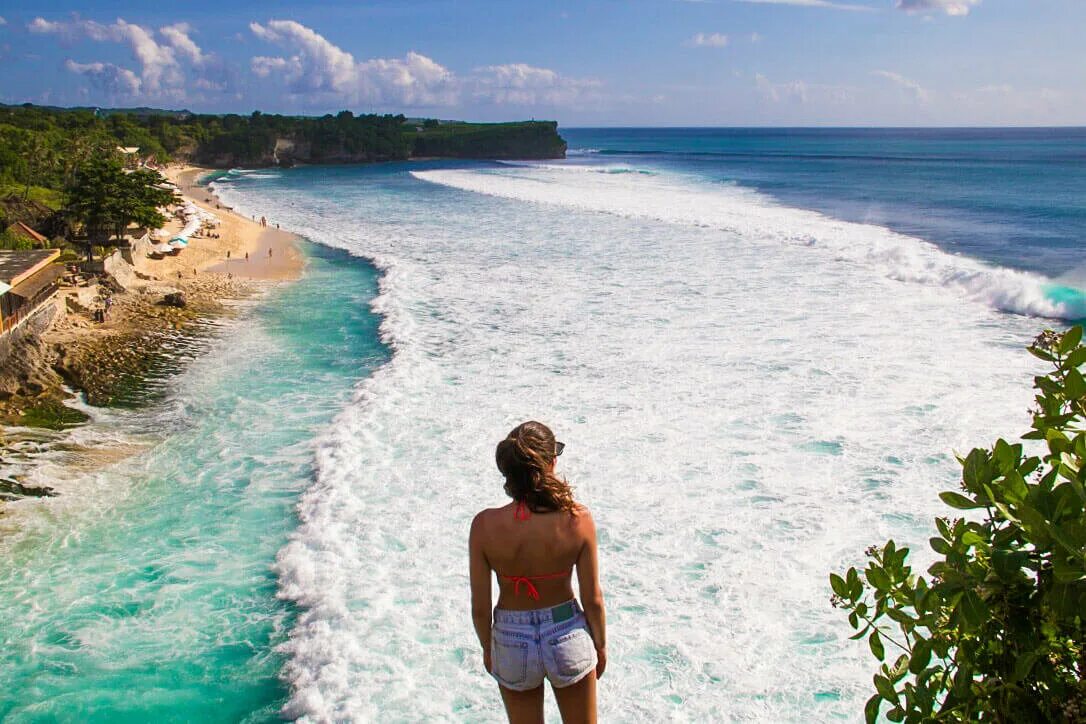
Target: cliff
{"points": [[529, 139]]}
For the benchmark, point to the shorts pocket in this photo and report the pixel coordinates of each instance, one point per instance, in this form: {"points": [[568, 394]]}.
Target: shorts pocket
{"points": [[510, 658], [573, 652]]}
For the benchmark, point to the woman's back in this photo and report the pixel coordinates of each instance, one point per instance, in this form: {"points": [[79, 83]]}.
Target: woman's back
{"points": [[539, 631], [532, 553]]}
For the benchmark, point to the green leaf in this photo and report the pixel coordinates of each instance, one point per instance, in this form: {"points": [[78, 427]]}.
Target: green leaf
{"points": [[921, 656], [1023, 665], [871, 709], [975, 469], [838, 585], [1076, 359], [877, 577], [896, 714], [874, 641], [973, 609], [959, 501], [885, 689], [1070, 339], [1074, 386], [1040, 353]]}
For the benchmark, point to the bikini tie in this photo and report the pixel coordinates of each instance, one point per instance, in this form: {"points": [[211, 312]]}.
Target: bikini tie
{"points": [[521, 512], [530, 589]]}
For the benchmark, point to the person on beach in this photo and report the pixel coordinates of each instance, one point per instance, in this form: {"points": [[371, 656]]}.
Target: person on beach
{"points": [[533, 544]]}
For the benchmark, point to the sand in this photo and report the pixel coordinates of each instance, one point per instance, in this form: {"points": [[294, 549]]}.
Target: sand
{"points": [[239, 235]]}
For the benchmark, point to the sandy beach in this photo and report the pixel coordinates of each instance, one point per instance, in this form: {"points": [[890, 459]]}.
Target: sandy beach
{"points": [[100, 358], [272, 253]]}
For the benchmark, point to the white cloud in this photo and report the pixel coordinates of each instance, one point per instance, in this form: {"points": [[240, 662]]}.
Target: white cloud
{"points": [[816, 4], [791, 91], [755, 37], [318, 67], [3, 21], [319, 70], [909, 85], [160, 72], [708, 40], [522, 84], [798, 92], [950, 7], [177, 37], [114, 79]]}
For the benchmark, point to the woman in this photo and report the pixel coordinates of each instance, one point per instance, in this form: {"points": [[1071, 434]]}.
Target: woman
{"points": [[533, 544]]}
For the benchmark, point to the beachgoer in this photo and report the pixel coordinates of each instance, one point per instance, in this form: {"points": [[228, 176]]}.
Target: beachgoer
{"points": [[228, 255], [246, 256], [277, 224], [538, 630], [269, 252], [264, 221]]}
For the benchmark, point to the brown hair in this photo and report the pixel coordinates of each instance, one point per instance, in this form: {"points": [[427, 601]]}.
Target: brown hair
{"points": [[526, 459]]}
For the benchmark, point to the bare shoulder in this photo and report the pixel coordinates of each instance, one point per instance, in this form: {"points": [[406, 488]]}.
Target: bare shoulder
{"points": [[584, 520], [482, 518]]}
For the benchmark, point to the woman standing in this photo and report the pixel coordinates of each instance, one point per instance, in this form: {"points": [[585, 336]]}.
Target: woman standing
{"points": [[533, 545]]}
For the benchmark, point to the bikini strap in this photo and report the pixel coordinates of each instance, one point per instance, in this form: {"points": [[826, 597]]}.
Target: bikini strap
{"points": [[521, 512]]}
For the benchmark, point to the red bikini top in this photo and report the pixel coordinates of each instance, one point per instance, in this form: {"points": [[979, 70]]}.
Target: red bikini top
{"points": [[521, 512]]}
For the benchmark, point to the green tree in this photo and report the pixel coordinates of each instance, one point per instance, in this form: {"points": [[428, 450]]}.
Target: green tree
{"points": [[996, 632], [105, 200]]}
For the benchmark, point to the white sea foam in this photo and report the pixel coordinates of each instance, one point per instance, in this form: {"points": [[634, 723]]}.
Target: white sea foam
{"points": [[750, 214], [746, 407]]}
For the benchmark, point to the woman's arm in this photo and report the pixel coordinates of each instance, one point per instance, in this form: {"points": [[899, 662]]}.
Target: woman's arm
{"points": [[480, 588], [588, 580]]}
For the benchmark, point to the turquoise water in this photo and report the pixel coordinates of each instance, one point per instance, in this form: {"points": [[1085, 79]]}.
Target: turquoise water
{"points": [[752, 384], [147, 594]]}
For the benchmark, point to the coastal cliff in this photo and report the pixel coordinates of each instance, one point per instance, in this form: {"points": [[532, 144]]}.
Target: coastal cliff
{"points": [[258, 142]]}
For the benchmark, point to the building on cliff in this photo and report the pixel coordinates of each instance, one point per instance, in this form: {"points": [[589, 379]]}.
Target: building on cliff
{"points": [[22, 230], [28, 283]]}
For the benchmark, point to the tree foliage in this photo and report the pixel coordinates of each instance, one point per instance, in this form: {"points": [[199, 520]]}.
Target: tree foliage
{"points": [[105, 199], [995, 631]]}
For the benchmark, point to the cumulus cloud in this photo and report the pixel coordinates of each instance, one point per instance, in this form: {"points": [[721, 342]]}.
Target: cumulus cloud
{"points": [[3, 21], [821, 4], [114, 79], [950, 7], [177, 37], [317, 69], [708, 40], [907, 84], [317, 66], [160, 73]]}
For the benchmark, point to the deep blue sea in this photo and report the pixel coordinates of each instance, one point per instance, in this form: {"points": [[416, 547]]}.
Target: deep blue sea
{"points": [[763, 349]]}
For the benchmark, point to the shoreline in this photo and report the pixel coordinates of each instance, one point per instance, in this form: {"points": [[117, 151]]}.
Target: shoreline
{"points": [[114, 362]]}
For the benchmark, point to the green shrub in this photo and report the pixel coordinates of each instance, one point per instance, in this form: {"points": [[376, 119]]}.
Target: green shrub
{"points": [[995, 632]]}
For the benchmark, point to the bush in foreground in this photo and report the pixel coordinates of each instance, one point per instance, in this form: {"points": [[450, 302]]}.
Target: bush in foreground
{"points": [[995, 632]]}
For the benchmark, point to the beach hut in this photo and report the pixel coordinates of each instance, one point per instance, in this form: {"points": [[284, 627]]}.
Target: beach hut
{"points": [[28, 281]]}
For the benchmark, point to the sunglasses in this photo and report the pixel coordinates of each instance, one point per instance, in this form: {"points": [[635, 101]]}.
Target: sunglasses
{"points": [[558, 448]]}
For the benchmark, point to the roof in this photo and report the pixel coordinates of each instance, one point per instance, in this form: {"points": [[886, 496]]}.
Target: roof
{"points": [[36, 282], [16, 266], [129, 150], [23, 230]]}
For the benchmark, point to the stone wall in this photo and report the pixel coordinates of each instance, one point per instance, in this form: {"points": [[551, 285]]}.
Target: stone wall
{"points": [[34, 326]]}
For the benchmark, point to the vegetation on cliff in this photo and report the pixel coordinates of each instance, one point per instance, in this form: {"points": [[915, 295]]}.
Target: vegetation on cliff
{"points": [[997, 630], [39, 146]]}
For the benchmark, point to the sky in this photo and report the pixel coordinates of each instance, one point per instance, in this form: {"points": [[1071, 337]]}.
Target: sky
{"points": [[594, 63]]}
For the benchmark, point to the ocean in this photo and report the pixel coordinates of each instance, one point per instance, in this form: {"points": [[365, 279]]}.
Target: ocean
{"points": [[762, 348]]}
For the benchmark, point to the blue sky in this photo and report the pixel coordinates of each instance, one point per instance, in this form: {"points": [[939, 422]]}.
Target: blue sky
{"points": [[617, 62]]}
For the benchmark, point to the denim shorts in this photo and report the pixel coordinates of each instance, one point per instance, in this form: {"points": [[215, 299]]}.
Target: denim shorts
{"points": [[526, 646]]}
